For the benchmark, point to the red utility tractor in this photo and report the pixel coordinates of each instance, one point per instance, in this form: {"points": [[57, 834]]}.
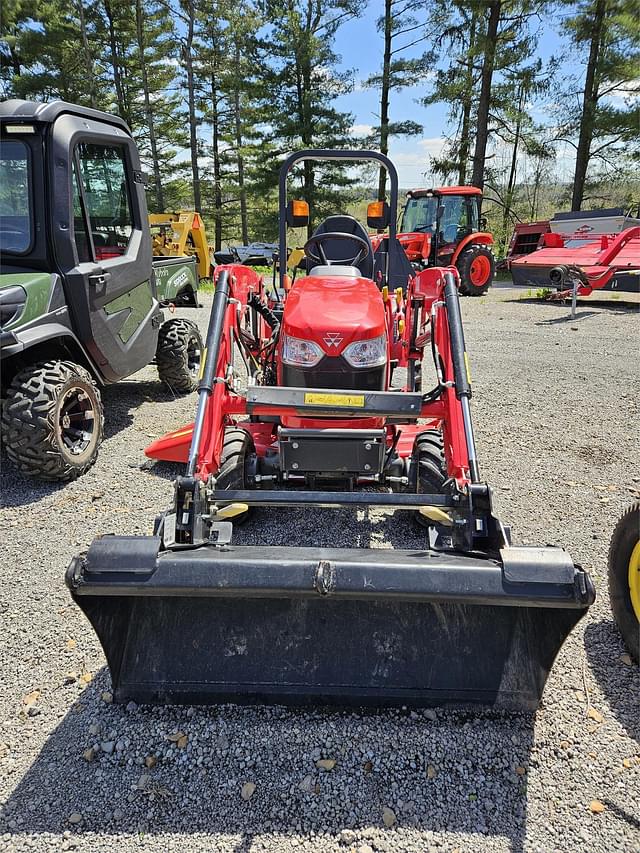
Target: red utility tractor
{"points": [[296, 408], [441, 227]]}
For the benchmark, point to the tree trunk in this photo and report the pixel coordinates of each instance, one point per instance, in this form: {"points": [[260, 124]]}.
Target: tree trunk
{"points": [[148, 111], [87, 58], [115, 64], [484, 98], [244, 223], [511, 183], [465, 127], [191, 99], [215, 150], [384, 97], [589, 105]]}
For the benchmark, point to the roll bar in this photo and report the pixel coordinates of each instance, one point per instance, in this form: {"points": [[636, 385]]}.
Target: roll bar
{"points": [[327, 154]]}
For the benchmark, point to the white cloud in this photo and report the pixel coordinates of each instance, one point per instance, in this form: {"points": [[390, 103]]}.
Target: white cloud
{"points": [[624, 94], [362, 129]]}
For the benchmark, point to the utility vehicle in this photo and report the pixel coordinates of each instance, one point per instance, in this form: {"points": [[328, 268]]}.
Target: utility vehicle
{"points": [[80, 296]]}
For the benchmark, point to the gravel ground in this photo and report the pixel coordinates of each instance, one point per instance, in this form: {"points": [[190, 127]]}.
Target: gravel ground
{"points": [[556, 411]]}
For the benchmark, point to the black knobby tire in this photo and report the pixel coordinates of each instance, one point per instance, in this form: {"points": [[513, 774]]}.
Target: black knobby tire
{"points": [[179, 355], [237, 448], [53, 420], [626, 537], [475, 255], [428, 454]]}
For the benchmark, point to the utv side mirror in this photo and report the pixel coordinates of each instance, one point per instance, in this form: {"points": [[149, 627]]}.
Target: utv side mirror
{"points": [[378, 214], [297, 213], [483, 222]]}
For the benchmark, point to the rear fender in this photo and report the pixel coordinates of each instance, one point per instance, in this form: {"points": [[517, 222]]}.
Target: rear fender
{"points": [[45, 341], [479, 238]]}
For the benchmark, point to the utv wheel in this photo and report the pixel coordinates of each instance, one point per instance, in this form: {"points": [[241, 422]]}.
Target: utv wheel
{"points": [[236, 452], [179, 355], [477, 267], [428, 454], [52, 420], [624, 578]]}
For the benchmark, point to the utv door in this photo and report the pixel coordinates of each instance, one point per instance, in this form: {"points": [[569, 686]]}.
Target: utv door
{"points": [[102, 243]]}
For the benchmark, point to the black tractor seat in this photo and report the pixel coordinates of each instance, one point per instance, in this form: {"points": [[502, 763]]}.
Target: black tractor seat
{"points": [[337, 250]]}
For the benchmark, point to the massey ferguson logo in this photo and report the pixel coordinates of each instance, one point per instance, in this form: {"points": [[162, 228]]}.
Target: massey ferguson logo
{"points": [[333, 339]]}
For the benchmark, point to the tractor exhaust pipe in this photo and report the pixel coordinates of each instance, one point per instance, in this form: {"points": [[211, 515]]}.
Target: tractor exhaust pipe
{"points": [[205, 387], [461, 368]]}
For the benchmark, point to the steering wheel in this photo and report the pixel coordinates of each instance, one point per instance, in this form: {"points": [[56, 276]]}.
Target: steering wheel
{"points": [[321, 257]]}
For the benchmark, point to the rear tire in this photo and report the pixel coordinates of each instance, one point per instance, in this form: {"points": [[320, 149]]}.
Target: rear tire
{"points": [[428, 454], [477, 267], [53, 421], [179, 355], [237, 448], [624, 561]]}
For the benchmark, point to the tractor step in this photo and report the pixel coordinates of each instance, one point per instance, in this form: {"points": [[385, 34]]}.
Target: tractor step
{"points": [[349, 627]]}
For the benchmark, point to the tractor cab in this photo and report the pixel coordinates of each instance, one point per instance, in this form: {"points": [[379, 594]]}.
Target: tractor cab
{"points": [[442, 227]]}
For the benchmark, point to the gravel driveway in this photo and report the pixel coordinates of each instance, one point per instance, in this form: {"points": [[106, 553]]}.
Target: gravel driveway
{"points": [[556, 411]]}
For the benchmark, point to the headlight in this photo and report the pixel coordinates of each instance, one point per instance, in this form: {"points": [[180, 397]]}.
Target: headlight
{"points": [[12, 301], [300, 353], [371, 353]]}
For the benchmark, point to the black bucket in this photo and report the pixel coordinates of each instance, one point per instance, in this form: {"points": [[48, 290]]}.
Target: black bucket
{"points": [[349, 627]]}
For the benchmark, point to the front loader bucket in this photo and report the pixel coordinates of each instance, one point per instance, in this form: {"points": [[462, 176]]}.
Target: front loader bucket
{"points": [[351, 627]]}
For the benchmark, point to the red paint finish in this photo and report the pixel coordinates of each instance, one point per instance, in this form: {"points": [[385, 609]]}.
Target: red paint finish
{"points": [[336, 309], [355, 309], [599, 259]]}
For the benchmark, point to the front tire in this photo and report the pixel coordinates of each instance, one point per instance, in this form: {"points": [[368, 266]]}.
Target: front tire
{"points": [[179, 355], [624, 578], [53, 421], [428, 455], [477, 267], [237, 449]]}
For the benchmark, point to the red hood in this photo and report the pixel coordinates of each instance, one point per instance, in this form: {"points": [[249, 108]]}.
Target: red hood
{"points": [[334, 311]]}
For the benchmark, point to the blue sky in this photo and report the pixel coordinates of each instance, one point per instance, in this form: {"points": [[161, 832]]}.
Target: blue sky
{"points": [[360, 46]]}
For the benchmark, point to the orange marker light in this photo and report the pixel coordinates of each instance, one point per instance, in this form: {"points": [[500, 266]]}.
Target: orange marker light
{"points": [[375, 210], [299, 208]]}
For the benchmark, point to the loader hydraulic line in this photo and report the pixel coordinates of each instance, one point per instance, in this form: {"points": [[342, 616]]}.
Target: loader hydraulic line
{"points": [[205, 387], [461, 368]]}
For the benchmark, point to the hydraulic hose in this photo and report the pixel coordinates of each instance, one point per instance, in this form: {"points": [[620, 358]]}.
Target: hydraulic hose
{"points": [[265, 312], [205, 386]]}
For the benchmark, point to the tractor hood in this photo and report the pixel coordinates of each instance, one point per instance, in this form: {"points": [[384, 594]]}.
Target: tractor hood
{"points": [[334, 311]]}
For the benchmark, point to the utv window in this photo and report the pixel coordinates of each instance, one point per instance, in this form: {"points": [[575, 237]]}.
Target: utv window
{"points": [[103, 174], [15, 197]]}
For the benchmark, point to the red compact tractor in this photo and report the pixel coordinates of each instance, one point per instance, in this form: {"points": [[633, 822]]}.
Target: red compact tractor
{"points": [[296, 408], [441, 227]]}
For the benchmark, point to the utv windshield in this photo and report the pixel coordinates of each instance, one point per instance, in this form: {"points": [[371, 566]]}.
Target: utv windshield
{"points": [[15, 197], [420, 214]]}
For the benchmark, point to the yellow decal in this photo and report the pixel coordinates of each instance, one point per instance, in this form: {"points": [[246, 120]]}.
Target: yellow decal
{"points": [[203, 361], [466, 364], [356, 400]]}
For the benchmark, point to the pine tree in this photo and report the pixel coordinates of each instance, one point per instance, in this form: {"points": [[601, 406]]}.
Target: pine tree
{"points": [[606, 133], [401, 30]]}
